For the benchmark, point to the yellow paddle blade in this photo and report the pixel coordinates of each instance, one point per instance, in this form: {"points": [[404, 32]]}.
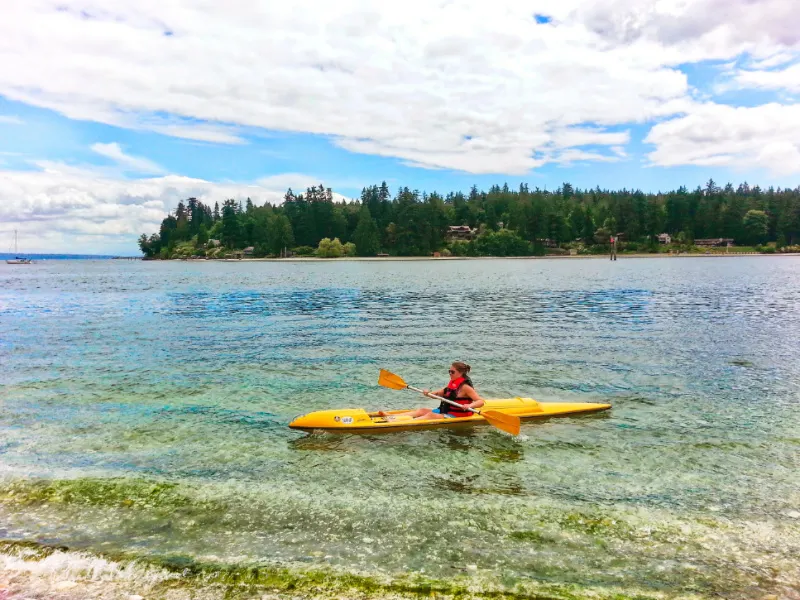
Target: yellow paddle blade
{"points": [[392, 381], [506, 422]]}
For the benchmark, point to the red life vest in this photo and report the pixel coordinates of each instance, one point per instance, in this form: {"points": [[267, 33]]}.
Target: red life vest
{"points": [[451, 393]]}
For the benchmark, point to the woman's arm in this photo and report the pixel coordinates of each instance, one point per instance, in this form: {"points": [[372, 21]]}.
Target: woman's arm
{"points": [[436, 393], [470, 393]]}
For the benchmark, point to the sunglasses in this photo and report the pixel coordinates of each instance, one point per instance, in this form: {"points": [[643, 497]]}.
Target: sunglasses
{"points": [[451, 371]]}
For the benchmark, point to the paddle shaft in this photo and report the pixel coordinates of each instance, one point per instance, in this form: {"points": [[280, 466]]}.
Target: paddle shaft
{"points": [[456, 404]]}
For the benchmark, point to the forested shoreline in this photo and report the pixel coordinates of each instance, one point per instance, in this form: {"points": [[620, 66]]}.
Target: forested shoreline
{"points": [[503, 222]]}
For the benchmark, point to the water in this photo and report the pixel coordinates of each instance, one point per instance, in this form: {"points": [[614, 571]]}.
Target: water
{"points": [[41, 257], [143, 413]]}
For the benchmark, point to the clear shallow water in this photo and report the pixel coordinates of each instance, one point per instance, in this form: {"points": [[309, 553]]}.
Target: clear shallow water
{"points": [[143, 412]]}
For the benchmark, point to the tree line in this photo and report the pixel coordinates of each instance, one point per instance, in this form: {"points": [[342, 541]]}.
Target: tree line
{"points": [[508, 221]]}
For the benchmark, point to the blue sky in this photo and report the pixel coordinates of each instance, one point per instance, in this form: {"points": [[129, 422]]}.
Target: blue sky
{"points": [[98, 143], [45, 135]]}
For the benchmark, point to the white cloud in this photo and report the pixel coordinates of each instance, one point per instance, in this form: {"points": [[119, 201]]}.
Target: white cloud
{"points": [[11, 120], [782, 79], [474, 86], [585, 136], [765, 136], [201, 133], [130, 163], [774, 60], [702, 29], [574, 155], [64, 208], [471, 85]]}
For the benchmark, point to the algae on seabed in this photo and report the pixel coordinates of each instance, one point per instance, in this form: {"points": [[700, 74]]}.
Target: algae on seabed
{"points": [[31, 568]]}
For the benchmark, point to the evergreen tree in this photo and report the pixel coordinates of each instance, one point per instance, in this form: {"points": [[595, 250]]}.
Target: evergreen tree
{"points": [[202, 236], [279, 234], [168, 228], [195, 218], [230, 224], [755, 226], [366, 236]]}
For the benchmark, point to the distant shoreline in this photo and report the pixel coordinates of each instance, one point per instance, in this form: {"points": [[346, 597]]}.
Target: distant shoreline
{"points": [[300, 259]]}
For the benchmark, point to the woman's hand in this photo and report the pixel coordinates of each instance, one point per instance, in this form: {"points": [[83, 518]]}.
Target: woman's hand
{"points": [[426, 392]]}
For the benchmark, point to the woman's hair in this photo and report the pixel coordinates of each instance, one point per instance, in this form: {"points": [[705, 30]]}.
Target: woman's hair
{"points": [[461, 367]]}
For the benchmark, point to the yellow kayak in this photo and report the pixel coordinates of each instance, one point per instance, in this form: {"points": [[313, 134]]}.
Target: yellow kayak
{"points": [[359, 420]]}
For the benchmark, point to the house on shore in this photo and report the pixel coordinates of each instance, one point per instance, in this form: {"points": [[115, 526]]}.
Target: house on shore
{"points": [[664, 238], [712, 242], [460, 232]]}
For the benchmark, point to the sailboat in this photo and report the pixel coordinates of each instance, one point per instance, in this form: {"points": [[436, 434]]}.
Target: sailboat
{"points": [[17, 260]]}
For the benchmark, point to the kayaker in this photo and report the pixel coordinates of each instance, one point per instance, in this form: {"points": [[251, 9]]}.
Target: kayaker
{"points": [[460, 389]]}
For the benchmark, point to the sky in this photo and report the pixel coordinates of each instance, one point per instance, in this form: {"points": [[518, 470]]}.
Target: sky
{"points": [[111, 111]]}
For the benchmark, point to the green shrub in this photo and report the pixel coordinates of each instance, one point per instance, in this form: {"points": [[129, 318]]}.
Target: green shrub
{"points": [[502, 243], [330, 248], [461, 248]]}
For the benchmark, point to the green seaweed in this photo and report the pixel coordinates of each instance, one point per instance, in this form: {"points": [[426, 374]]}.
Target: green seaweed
{"points": [[121, 492], [30, 550], [536, 537], [594, 525], [603, 539], [246, 581]]}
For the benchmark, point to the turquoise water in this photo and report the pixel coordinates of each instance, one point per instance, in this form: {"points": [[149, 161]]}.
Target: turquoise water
{"points": [[143, 413]]}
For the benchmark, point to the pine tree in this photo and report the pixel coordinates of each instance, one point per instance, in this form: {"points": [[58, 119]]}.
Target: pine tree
{"points": [[202, 236], [366, 236], [230, 224], [279, 234]]}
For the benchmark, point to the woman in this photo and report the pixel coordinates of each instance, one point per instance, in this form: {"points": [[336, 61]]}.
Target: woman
{"points": [[460, 390]]}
